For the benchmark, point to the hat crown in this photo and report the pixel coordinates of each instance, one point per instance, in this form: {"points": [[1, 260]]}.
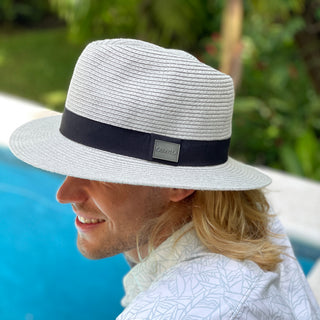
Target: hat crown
{"points": [[136, 85]]}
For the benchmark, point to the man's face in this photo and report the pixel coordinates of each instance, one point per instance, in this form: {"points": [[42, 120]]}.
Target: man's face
{"points": [[109, 216]]}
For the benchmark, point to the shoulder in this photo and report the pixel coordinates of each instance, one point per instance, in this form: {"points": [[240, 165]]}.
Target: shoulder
{"points": [[208, 287]]}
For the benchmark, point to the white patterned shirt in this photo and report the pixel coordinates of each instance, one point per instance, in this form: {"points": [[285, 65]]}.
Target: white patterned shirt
{"points": [[181, 279]]}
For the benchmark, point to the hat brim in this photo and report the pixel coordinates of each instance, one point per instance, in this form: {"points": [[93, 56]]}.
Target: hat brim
{"points": [[40, 144]]}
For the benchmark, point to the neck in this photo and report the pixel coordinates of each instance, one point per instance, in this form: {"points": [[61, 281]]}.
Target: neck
{"points": [[136, 255], [158, 231]]}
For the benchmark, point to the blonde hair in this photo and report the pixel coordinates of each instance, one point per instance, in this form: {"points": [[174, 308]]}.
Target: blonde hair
{"points": [[233, 223], [236, 224]]}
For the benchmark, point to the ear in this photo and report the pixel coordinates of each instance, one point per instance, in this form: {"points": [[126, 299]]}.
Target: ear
{"points": [[177, 195]]}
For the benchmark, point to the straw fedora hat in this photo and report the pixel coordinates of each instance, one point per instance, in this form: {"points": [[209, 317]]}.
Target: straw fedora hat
{"points": [[140, 114]]}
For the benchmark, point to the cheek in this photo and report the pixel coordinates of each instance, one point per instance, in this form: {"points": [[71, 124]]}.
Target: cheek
{"points": [[155, 203], [119, 209], [132, 205]]}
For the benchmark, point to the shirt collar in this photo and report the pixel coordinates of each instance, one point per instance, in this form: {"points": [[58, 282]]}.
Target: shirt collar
{"points": [[181, 246]]}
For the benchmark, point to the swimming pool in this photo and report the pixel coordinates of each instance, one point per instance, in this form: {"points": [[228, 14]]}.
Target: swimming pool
{"points": [[42, 274]]}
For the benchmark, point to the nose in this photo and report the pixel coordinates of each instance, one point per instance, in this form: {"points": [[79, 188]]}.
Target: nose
{"points": [[72, 190]]}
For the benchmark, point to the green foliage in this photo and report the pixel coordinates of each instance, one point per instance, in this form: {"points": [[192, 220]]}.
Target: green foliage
{"points": [[89, 20], [178, 23], [277, 112], [304, 157], [272, 9], [37, 65], [22, 12]]}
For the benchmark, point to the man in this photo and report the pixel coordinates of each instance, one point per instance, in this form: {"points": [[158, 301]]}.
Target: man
{"points": [[144, 142]]}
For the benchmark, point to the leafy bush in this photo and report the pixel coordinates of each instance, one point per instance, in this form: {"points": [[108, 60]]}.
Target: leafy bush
{"points": [[23, 13], [177, 23], [278, 101], [277, 111]]}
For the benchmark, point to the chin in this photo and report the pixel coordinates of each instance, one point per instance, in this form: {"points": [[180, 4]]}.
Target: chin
{"points": [[89, 252], [95, 252]]}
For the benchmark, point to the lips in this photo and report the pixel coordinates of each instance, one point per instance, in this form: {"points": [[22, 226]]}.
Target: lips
{"points": [[85, 225], [89, 221]]}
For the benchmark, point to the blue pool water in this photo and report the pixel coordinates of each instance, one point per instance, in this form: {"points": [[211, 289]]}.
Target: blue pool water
{"points": [[42, 274]]}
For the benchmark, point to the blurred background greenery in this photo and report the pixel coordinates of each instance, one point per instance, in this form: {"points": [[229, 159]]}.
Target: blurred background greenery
{"points": [[270, 48]]}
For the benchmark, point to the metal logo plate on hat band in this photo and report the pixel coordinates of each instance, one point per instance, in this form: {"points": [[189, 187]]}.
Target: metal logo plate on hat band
{"points": [[165, 150]]}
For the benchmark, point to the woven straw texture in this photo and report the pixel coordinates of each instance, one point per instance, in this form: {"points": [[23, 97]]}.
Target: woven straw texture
{"points": [[140, 86], [144, 87]]}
